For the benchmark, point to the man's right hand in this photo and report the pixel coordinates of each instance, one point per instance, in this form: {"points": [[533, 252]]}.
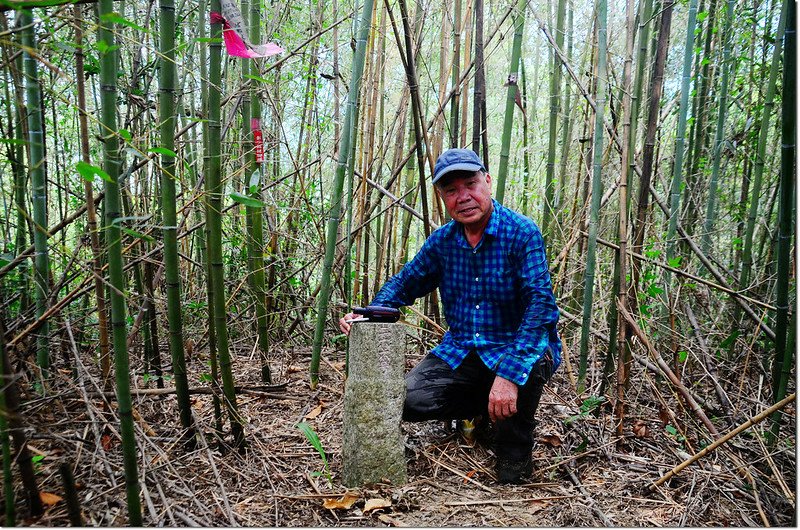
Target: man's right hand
{"points": [[344, 325]]}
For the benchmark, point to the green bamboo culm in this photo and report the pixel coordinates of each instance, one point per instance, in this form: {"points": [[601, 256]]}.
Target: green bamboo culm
{"points": [[597, 190], [758, 168], [455, 75], [783, 353], [645, 14], [722, 108], [36, 168], [214, 190], [338, 184], [213, 358], [555, 105], [166, 107], [256, 213], [111, 165], [680, 139], [526, 158], [511, 95], [348, 197]]}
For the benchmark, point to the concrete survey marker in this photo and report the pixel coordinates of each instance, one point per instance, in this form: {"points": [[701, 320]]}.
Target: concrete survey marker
{"points": [[372, 449]]}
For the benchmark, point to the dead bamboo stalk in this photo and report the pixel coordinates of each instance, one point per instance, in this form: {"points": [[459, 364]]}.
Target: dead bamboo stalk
{"points": [[696, 409], [744, 426]]}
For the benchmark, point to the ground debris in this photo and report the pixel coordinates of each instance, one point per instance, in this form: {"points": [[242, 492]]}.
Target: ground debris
{"points": [[581, 470]]}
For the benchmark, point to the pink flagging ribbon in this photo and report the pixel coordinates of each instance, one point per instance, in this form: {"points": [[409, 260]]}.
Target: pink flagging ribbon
{"points": [[237, 47]]}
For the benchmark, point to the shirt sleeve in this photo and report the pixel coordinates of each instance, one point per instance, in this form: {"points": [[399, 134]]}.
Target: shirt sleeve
{"points": [[417, 278], [540, 316]]}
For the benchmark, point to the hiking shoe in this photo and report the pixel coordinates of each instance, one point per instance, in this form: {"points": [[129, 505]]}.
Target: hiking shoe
{"points": [[513, 471]]}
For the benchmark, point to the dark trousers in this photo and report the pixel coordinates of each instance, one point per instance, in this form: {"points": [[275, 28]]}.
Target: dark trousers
{"points": [[434, 391]]}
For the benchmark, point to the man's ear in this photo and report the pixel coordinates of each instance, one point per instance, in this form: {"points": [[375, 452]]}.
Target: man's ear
{"points": [[488, 179]]}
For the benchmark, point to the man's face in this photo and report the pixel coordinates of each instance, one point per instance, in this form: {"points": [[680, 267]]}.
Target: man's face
{"points": [[468, 197]]}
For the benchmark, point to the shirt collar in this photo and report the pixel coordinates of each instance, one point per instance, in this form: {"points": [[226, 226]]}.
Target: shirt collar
{"points": [[492, 228]]}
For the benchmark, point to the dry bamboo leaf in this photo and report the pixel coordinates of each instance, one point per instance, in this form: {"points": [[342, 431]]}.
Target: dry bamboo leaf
{"points": [[145, 427], [342, 503], [640, 429], [314, 413], [552, 440], [49, 498], [664, 416], [391, 521], [338, 365], [105, 441], [375, 504]]}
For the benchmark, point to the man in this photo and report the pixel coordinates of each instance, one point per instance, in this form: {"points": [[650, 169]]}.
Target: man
{"points": [[502, 346]]}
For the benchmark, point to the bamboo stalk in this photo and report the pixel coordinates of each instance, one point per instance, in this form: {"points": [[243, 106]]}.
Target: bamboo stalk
{"points": [[166, 82], [338, 185], [597, 188], [11, 415], [111, 165], [36, 167], [722, 107], [511, 95], [555, 107], [100, 298], [763, 134], [620, 287], [722, 440], [680, 139], [782, 364]]}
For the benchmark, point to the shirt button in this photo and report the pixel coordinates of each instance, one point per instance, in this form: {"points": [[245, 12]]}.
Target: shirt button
{"points": [[524, 374], [477, 279], [478, 306], [477, 334]]}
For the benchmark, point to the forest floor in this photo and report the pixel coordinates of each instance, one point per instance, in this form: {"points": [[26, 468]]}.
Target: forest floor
{"points": [[582, 476]]}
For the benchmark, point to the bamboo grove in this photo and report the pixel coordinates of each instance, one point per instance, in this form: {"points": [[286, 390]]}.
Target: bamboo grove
{"points": [[150, 240]]}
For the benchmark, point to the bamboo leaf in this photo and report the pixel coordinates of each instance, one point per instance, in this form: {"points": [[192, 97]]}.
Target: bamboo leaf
{"points": [[313, 439], [247, 201], [138, 235], [116, 18], [252, 186], [258, 78], [163, 151], [88, 172]]}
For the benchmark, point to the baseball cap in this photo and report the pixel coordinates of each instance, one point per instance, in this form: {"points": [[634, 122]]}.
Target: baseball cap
{"points": [[456, 160]]}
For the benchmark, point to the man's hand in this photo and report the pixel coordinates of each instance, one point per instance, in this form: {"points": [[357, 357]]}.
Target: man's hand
{"points": [[502, 399], [344, 325]]}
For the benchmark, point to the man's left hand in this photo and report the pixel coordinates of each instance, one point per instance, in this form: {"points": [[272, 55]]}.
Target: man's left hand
{"points": [[502, 399]]}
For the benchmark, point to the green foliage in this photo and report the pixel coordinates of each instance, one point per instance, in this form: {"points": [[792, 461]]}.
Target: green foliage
{"points": [[587, 407], [315, 442], [116, 18], [88, 172], [672, 431], [163, 151], [247, 201], [37, 462]]}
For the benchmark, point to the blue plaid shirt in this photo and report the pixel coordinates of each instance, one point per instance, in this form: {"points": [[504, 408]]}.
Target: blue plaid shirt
{"points": [[497, 297]]}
